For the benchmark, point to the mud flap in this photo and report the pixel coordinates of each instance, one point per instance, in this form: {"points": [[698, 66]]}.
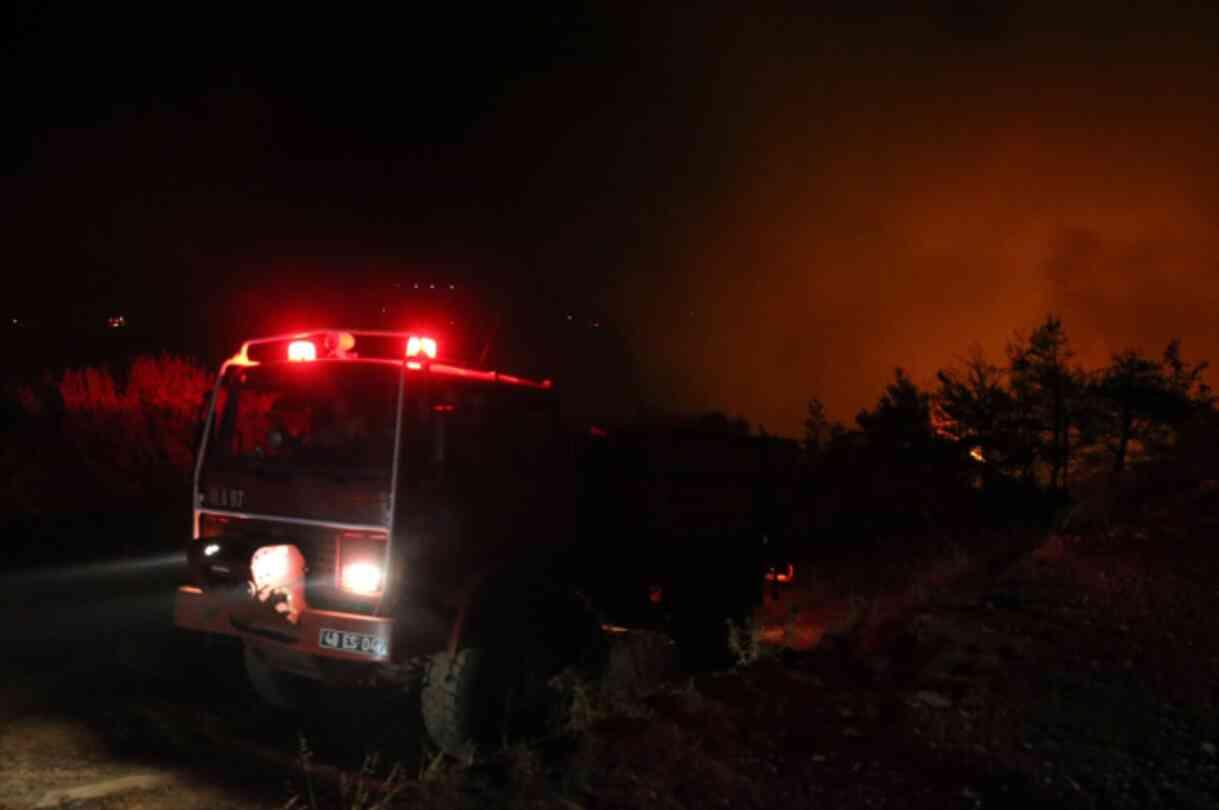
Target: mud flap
{"points": [[202, 611]]}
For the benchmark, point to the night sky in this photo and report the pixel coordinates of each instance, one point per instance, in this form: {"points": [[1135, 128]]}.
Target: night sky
{"points": [[742, 211]]}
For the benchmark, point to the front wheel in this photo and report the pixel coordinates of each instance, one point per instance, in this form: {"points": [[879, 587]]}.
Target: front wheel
{"points": [[463, 700]]}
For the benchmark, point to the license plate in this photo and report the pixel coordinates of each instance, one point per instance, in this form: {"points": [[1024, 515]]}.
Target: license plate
{"points": [[358, 643]]}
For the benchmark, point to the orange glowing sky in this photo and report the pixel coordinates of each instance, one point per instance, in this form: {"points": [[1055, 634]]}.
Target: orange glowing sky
{"points": [[764, 206], [899, 195]]}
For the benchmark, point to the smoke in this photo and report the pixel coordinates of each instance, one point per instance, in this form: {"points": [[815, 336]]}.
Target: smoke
{"points": [[765, 207], [889, 196]]}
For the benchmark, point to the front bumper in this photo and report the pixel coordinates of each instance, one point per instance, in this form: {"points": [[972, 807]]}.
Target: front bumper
{"points": [[234, 613]]}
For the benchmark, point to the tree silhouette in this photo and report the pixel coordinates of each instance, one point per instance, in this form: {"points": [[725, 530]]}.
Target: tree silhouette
{"points": [[1134, 393], [819, 431], [1185, 382], [901, 420], [979, 412], [1048, 394], [1142, 402]]}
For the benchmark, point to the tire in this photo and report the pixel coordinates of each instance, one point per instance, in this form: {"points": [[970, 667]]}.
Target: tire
{"points": [[699, 624], [274, 688], [702, 641], [461, 701], [498, 685]]}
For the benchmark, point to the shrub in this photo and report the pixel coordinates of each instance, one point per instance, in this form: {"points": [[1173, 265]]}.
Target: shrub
{"points": [[107, 438]]}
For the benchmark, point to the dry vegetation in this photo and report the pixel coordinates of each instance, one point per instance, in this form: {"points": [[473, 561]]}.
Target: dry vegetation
{"points": [[93, 441], [1080, 673]]}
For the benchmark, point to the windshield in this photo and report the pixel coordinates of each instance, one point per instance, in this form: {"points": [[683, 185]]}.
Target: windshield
{"points": [[328, 418]]}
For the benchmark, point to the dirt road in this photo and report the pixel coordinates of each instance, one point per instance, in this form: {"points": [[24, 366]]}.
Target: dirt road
{"points": [[104, 703]]}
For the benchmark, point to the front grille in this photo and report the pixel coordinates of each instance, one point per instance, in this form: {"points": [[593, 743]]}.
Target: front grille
{"points": [[323, 559]]}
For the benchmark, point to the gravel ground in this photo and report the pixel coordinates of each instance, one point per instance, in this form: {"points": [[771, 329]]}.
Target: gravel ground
{"points": [[1083, 675]]}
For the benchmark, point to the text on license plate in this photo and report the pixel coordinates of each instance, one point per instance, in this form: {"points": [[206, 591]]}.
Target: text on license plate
{"points": [[353, 643]]}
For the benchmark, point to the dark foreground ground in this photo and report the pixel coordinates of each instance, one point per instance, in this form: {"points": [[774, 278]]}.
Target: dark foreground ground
{"points": [[1056, 672]]}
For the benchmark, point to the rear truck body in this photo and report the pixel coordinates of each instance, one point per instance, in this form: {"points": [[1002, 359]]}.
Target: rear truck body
{"points": [[686, 527]]}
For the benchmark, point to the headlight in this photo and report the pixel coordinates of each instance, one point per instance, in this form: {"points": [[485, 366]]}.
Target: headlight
{"points": [[363, 578], [362, 563], [270, 566]]}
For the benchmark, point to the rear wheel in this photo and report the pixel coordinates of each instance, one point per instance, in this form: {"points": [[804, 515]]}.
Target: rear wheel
{"points": [[497, 686], [705, 611], [702, 639], [275, 688]]}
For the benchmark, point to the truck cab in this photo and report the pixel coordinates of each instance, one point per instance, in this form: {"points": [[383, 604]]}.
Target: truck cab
{"points": [[367, 513]]}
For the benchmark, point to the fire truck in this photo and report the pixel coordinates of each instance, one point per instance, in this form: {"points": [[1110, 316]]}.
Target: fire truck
{"points": [[367, 512]]}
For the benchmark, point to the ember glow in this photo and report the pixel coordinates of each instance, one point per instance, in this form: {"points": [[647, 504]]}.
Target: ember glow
{"points": [[904, 190]]}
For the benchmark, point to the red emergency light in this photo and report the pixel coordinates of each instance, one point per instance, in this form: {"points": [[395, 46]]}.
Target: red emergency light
{"points": [[300, 351], [417, 345], [332, 344], [782, 575]]}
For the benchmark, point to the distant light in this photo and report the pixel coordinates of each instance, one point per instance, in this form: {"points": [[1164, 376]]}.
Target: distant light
{"points": [[452, 286], [976, 454], [301, 351], [211, 550], [785, 575], [115, 321]]}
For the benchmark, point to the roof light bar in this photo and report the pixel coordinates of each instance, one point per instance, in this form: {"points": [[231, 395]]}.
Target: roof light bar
{"points": [[421, 352], [417, 345], [302, 351]]}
